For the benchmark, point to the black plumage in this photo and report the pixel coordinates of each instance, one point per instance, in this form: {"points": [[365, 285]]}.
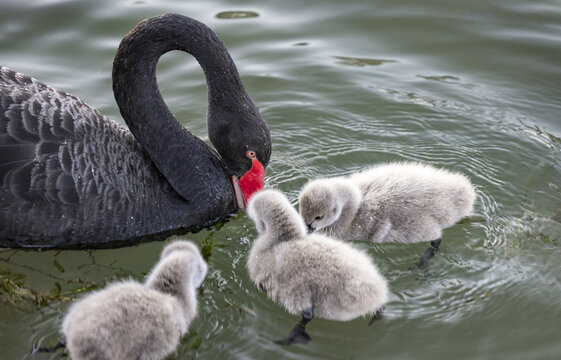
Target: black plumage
{"points": [[70, 177]]}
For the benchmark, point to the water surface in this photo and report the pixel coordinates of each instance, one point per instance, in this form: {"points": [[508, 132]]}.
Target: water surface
{"points": [[473, 87]]}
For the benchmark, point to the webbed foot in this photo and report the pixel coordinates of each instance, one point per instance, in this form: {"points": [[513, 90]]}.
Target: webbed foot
{"points": [[50, 349], [423, 262], [377, 316], [298, 333]]}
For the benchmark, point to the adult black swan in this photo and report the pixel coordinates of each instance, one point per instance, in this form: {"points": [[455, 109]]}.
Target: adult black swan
{"points": [[72, 178]]}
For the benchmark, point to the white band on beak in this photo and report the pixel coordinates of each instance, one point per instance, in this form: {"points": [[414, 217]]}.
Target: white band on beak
{"points": [[240, 202]]}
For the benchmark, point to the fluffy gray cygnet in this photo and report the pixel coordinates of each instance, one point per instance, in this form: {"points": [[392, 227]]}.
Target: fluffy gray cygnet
{"points": [[132, 320], [395, 202], [311, 275]]}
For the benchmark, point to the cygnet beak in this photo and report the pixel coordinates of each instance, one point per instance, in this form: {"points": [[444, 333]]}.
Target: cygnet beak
{"points": [[310, 228]]}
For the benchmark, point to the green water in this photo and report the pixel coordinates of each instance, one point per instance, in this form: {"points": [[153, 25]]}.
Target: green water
{"points": [[473, 86]]}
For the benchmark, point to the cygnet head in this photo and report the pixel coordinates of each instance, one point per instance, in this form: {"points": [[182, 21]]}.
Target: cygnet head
{"points": [[181, 266], [273, 215], [199, 267], [322, 201]]}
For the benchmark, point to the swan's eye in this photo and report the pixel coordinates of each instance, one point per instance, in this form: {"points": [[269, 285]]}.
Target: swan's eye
{"points": [[251, 154], [318, 217]]}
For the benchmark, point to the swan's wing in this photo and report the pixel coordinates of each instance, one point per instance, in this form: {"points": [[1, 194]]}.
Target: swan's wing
{"points": [[39, 143], [70, 177]]}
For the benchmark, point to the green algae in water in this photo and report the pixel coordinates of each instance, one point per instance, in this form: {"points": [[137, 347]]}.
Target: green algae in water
{"points": [[59, 267], [16, 290], [11, 285], [208, 241]]}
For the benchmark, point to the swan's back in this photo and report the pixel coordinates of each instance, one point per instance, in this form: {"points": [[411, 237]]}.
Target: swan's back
{"points": [[43, 132], [70, 177]]}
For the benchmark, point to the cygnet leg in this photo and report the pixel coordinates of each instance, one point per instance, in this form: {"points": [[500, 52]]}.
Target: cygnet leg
{"points": [[298, 334], [60, 344], [377, 316], [429, 253]]}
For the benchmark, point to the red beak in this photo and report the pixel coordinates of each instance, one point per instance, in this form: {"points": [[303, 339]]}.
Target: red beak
{"points": [[249, 183]]}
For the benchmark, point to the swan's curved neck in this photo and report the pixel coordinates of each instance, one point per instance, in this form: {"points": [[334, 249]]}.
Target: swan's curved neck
{"points": [[174, 150]]}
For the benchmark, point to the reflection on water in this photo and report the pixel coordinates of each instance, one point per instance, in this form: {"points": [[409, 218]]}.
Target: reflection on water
{"points": [[236, 14], [350, 61], [471, 87], [444, 78]]}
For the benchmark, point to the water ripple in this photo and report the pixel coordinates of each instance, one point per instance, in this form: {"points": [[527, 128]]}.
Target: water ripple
{"points": [[472, 88]]}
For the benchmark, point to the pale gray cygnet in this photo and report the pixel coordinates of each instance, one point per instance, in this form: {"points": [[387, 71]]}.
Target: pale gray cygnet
{"points": [[132, 320], [309, 274], [395, 202], [402, 202]]}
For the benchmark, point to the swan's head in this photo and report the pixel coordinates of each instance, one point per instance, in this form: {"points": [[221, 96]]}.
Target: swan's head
{"points": [[242, 138], [320, 204], [273, 214]]}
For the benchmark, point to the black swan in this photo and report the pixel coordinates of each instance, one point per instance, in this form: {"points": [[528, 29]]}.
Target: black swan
{"points": [[72, 178]]}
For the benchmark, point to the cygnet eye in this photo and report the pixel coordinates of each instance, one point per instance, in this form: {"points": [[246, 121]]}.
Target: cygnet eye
{"points": [[318, 217]]}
